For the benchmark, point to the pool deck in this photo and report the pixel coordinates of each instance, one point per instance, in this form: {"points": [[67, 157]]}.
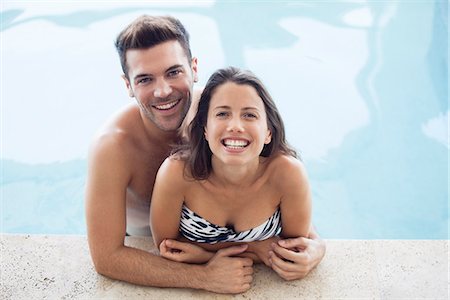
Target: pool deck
{"points": [[59, 267]]}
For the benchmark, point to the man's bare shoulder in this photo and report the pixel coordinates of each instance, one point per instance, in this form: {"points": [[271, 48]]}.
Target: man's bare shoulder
{"points": [[116, 144], [119, 133]]}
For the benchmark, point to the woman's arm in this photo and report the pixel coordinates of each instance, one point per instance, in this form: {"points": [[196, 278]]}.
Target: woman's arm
{"points": [[167, 201], [296, 198], [165, 213]]}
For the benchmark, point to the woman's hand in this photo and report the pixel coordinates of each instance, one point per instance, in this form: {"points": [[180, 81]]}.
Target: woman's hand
{"points": [[261, 249], [184, 252], [294, 258]]}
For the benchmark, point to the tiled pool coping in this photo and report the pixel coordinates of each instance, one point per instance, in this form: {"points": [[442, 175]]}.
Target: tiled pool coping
{"points": [[59, 267]]}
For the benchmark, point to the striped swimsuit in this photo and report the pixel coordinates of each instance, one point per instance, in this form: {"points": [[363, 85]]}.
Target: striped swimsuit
{"points": [[196, 229]]}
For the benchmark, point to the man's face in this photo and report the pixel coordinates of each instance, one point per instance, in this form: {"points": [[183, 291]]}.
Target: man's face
{"points": [[161, 80]]}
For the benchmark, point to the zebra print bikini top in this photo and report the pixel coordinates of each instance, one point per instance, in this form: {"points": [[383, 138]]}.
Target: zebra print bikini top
{"points": [[196, 229]]}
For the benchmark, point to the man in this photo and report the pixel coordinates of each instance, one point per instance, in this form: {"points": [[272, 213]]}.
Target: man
{"points": [[159, 73]]}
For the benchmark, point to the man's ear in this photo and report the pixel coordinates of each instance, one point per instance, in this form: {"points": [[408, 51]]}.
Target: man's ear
{"points": [[128, 85], [194, 67]]}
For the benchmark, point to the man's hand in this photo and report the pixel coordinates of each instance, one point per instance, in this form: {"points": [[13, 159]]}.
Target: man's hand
{"points": [[227, 274], [294, 258], [184, 252]]}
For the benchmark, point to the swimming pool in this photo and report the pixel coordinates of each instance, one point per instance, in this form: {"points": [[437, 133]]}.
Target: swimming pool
{"points": [[362, 87]]}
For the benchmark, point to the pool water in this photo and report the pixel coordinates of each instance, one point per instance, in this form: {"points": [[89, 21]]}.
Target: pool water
{"points": [[362, 87]]}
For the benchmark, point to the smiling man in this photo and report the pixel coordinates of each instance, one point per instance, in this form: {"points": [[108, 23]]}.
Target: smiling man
{"points": [[159, 72]]}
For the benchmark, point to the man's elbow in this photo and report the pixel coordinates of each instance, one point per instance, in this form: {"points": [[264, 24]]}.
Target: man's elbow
{"points": [[104, 262], [101, 265]]}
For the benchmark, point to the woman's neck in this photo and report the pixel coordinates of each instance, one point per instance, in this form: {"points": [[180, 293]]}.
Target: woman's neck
{"points": [[235, 176]]}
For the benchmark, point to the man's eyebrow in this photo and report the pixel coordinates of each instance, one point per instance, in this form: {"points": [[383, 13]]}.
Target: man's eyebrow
{"points": [[171, 68], [174, 67], [138, 76]]}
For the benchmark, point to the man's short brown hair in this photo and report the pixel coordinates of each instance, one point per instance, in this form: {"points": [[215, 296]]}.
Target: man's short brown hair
{"points": [[148, 31]]}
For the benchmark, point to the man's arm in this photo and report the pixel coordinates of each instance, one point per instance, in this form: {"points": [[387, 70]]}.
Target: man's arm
{"points": [[108, 178]]}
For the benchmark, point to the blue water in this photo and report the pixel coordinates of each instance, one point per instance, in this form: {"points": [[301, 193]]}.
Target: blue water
{"points": [[362, 87]]}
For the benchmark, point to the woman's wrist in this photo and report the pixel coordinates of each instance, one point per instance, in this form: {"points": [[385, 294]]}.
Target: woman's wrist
{"points": [[208, 255]]}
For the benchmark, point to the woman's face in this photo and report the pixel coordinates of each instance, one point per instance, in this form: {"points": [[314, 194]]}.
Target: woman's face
{"points": [[236, 128]]}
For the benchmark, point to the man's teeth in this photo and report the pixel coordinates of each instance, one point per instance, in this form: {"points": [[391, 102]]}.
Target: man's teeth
{"points": [[235, 143], [167, 106]]}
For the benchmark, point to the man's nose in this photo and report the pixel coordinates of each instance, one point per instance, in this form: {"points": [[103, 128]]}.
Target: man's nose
{"points": [[162, 89]]}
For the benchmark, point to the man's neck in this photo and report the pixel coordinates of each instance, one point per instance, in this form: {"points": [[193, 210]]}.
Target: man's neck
{"points": [[156, 134]]}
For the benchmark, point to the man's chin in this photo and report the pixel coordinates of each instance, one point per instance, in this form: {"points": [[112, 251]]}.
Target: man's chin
{"points": [[169, 127]]}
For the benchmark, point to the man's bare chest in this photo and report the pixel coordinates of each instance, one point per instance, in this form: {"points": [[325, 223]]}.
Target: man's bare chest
{"points": [[145, 167]]}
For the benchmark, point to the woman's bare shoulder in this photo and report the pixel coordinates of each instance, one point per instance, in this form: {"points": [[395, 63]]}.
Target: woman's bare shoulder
{"points": [[175, 169], [286, 169]]}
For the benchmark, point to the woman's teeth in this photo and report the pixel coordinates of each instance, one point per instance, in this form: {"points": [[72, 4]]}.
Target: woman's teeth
{"points": [[235, 143]]}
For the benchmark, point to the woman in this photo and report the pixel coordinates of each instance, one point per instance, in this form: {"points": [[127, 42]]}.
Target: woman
{"points": [[237, 180]]}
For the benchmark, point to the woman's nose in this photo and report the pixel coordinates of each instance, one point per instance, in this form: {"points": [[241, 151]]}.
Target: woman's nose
{"points": [[235, 124]]}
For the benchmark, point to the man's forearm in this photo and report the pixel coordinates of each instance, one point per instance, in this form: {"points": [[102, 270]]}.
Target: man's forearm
{"points": [[222, 274], [140, 267]]}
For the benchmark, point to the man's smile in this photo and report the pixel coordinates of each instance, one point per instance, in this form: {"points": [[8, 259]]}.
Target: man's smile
{"points": [[167, 106]]}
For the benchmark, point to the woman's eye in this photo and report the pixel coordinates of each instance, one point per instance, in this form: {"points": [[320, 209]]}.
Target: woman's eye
{"points": [[250, 115], [222, 114]]}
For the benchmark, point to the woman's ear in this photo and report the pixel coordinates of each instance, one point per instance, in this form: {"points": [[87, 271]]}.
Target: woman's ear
{"points": [[268, 137], [205, 132]]}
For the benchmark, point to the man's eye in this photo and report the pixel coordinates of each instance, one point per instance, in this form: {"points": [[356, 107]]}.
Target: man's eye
{"points": [[144, 80], [174, 73]]}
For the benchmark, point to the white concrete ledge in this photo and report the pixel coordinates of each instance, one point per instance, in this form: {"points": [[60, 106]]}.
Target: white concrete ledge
{"points": [[59, 267]]}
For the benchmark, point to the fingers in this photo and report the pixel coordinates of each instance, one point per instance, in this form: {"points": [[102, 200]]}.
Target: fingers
{"points": [[286, 253], [245, 287], [162, 247], [248, 279], [248, 271], [299, 242], [287, 270], [230, 251], [230, 274], [166, 251], [288, 264], [172, 256], [177, 245], [287, 275], [282, 264]]}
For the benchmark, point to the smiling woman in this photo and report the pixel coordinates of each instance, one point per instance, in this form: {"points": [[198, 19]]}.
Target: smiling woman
{"points": [[236, 180], [371, 124], [237, 120]]}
